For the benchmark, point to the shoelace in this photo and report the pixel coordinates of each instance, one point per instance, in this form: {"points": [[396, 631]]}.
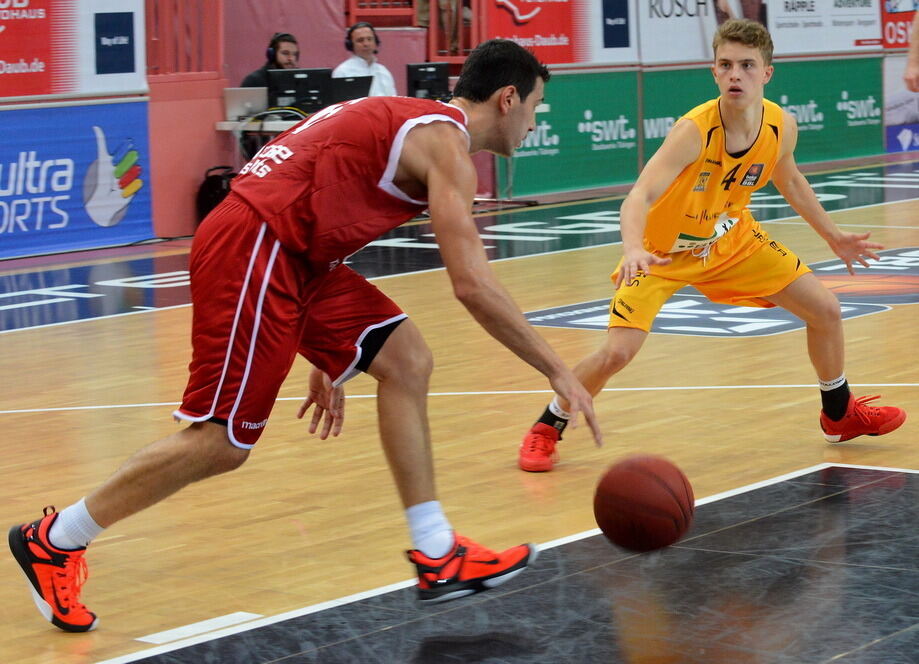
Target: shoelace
{"points": [[473, 549], [73, 576], [863, 411], [539, 443]]}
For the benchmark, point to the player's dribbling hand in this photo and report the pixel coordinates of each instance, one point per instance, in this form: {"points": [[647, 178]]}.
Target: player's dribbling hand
{"points": [[852, 247], [579, 400], [329, 405], [635, 261]]}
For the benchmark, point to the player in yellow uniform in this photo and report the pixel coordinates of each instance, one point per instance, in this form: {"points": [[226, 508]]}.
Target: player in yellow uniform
{"points": [[686, 221]]}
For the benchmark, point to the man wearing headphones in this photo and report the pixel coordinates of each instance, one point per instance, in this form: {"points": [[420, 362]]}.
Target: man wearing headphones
{"points": [[282, 53], [361, 39]]}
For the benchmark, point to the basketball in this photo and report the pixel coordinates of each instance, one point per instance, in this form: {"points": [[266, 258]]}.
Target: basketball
{"points": [[643, 503]]}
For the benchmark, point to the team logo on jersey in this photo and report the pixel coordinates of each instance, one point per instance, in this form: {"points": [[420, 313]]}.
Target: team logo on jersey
{"points": [[702, 181], [751, 177], [892, 280]]}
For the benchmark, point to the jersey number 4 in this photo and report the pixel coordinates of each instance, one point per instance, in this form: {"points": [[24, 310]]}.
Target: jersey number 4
{"points": [[730, 177]]}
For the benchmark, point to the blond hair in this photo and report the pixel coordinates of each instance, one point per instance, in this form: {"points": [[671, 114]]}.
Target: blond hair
{"points": [[746, 32]]}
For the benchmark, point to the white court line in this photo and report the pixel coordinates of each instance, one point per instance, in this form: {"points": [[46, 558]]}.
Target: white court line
{"points": [[199, 627], [476, 393], [296, 613]]}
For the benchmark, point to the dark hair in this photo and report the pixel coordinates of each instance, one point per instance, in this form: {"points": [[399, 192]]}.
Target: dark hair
{"points": [[276, 39], [496, 63], [746, 33], [349, 43]]}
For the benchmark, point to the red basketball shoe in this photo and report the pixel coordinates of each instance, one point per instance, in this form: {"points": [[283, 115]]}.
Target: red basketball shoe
{"points": [[861, 419], [469, 568], [537, 451], [56, 575]]}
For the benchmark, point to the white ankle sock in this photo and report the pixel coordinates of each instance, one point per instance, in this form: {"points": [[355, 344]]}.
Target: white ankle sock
{"points": [[431, 532], [829, 385], [74, 528], [557, 410]]}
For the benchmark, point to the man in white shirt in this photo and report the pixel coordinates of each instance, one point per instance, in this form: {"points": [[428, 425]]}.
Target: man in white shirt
{"points": [[362, 40]]}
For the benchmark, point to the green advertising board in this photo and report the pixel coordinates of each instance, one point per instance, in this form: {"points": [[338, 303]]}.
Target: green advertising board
{"points": [[838, 105], [667, 95], [588, 137]]}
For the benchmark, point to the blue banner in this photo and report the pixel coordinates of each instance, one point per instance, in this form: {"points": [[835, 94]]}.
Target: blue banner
{"points": [[74, 177]]}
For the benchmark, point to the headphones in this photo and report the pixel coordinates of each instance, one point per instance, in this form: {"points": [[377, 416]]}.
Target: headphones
{"points": [[276, 39], [363, 24]]}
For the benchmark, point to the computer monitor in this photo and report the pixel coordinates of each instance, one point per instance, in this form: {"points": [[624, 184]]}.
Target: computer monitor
{"points": [[429, 79], [349, 87], [305, 89]]}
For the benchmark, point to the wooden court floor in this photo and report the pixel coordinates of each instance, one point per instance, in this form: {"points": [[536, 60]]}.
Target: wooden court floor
{"points": [[307, 521]]}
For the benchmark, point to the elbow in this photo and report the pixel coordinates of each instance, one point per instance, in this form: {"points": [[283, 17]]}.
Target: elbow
{"points": [[468, 291], [467, 294]]}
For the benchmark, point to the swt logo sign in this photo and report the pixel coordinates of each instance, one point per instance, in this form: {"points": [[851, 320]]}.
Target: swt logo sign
{"points": [[894, 279]]}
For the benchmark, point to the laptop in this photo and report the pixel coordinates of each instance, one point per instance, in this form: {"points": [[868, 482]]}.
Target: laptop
{"points": [[241, 103], [350, 87]]}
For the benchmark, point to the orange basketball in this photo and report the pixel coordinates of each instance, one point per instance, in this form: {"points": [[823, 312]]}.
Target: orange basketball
{"points": [[643, 503]]}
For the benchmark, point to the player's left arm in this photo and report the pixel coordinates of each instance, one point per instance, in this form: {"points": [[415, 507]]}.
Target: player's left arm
{"points": [[791, 183]]}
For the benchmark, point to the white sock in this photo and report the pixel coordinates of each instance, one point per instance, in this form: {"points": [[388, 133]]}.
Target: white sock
{"points": [[431, 532], [74, 528], [556, 410], [828, 385]]}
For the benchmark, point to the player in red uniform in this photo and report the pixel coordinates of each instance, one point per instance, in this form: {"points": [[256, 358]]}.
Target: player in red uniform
{"points": [[268, 282]]}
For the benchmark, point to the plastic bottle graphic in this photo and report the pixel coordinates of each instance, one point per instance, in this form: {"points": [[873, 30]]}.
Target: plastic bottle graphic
{"points": [[111, 181]]}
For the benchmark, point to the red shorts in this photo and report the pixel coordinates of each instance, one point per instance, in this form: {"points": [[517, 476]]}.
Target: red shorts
{"points": [[255, 306]]}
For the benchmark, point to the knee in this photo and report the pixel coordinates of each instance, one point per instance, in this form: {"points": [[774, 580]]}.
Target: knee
{"points": [[217, 454], [413, 366], [614, 356], [405, 357], [826, 313]]}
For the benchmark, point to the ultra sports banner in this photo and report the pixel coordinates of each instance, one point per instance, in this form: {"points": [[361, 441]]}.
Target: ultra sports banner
{"points": [[71, 47], [568, 31]]}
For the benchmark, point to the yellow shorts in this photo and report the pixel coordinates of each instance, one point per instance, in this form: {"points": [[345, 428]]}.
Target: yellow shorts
{"points": [[742, 268]]}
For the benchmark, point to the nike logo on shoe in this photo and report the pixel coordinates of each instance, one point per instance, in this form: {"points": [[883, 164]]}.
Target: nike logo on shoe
{"points": [[63, 610]]}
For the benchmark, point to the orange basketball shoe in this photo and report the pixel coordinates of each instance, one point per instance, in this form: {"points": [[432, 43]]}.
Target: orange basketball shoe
{"points": [[861, 419], [56, 575], [469, 568], [537, 451]]}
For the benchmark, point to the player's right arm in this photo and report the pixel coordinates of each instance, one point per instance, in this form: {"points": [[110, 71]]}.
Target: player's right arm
{"points": [[437, 155], [679, 149], [911, 75]]}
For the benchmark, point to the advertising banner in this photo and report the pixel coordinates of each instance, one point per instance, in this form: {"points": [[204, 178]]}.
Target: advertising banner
{"points": [[896, 19], [667, 95], [673, 31], [901, 108], [837, 104], [74, 177], [70, 47], [569, 31], [588, 137], [824, 26]]}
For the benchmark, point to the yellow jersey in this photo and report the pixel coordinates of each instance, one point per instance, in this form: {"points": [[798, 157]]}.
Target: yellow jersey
{"points": [[711, 195]]}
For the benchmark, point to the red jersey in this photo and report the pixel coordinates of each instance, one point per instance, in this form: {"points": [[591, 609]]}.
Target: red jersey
{"points": [[325, 186]]}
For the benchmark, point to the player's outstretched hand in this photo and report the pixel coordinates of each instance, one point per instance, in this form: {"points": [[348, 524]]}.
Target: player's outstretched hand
{"points": [[635, 261], [579, 400], [329, 405], [852, 247], [911, 77]]}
